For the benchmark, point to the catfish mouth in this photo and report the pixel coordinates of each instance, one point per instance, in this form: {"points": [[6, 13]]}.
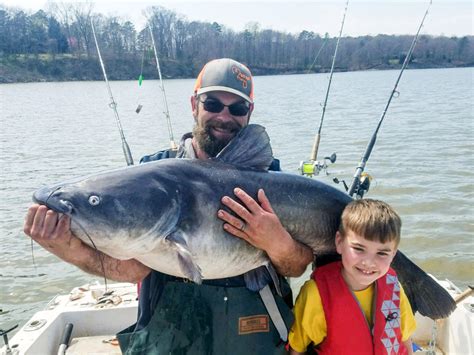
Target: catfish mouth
{"points": [[51, 198]]}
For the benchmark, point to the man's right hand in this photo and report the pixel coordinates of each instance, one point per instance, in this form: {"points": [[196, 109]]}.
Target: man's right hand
{"points": [[53, 232]]}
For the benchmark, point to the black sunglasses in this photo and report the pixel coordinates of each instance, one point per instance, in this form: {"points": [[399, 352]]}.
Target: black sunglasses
{"points": [[213, 105]]}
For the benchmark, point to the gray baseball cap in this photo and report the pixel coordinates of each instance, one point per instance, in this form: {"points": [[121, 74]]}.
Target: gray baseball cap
{"points": [[227, 75]]}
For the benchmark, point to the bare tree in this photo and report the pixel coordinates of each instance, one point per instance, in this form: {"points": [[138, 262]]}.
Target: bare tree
{"points": [[82, 12]]}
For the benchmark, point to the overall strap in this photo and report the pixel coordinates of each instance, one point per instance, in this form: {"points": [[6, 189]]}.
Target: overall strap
{"points": [[269, 301]]}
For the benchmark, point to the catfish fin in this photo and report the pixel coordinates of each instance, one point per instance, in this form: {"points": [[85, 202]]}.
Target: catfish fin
{"points": [[424, 293], [258, 278], [250, 148], [188, 267]]}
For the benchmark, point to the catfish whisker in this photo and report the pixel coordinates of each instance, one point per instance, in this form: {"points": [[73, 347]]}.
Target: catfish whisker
{"points": [[99, 254]]}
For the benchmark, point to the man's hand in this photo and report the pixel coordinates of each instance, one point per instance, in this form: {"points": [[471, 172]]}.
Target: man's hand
{"points": [[52, 231], [258, 224]]}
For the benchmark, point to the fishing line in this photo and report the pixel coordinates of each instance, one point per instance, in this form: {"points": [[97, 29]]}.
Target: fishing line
{"points": [[326, 40], [113, 104], [356, 182], [33, 255], [162, 87]]}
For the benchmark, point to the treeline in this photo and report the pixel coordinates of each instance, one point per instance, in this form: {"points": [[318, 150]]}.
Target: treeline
{"points": [[58, 44]]}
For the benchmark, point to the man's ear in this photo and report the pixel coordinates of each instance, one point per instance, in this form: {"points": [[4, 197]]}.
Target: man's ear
{"points": [[339, 241], [250, 112], [194, 106]]}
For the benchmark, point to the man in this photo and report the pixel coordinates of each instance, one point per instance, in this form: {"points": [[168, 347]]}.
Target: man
{"points": [[177, 316]]}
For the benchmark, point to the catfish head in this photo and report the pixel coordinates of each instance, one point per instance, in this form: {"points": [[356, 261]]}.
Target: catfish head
{"points": [[113, 209]]}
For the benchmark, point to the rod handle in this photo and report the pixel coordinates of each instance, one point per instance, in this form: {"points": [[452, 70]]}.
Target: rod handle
{"points": [[65, 337], [465, 294], [127, 153]]}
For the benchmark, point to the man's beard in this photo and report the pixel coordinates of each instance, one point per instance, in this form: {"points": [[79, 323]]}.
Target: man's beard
{"points": [[210, 144]]}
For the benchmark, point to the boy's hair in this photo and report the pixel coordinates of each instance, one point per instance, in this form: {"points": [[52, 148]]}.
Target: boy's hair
{"points": [[372, 219]]}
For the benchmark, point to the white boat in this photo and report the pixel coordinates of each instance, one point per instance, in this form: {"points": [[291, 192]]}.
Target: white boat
{"points": [[97, 315]]}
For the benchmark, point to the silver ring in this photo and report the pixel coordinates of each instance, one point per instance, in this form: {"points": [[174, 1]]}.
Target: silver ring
{"points": [[243, 226]]}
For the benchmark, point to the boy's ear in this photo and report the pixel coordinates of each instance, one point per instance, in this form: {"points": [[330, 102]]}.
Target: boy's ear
{"points": [[338, 242], [394, 253]]}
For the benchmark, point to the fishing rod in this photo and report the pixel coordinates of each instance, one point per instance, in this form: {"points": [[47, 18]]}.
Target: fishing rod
{"points": [[313, 167], [360, 186], [162, 87], [113, 104]]}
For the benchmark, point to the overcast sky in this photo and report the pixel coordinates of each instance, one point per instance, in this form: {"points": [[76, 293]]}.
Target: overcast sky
{"points": [[446, 17]]}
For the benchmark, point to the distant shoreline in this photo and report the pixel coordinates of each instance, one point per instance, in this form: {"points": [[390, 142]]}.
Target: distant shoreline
{"points": [[61, 70], [57, 44]]}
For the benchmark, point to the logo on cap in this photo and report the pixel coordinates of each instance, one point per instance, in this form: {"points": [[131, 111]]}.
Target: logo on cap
{"points": [[241, 76]]}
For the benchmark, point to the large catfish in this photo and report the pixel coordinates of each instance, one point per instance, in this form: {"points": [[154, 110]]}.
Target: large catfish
{"points": [[163, 214]]}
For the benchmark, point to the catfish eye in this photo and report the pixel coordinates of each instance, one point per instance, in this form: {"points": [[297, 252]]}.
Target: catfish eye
{"points": [[94, 200]]}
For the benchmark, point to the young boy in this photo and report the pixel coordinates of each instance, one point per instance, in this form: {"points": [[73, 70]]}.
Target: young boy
{"points": [[357, 306]]}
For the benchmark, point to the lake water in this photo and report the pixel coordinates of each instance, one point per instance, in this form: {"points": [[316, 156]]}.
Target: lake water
{"points": [[422, 163]]}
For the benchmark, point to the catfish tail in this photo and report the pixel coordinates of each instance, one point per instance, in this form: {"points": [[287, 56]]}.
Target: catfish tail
{"points": [[424, 293]]}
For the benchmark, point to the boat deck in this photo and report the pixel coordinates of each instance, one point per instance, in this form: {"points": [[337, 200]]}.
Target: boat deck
{"points": [[98, 314]]}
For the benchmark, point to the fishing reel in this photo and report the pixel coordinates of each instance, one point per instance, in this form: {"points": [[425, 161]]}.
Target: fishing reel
{"points": [[312, 167], [363, 184]]}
